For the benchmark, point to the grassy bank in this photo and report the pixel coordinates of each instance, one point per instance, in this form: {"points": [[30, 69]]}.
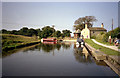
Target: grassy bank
{"points": [[101, 48], [106, 43], [10, 41]]}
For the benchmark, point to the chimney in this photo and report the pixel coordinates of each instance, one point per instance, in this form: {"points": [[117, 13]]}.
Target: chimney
{"points": [[86, 25], [102, 25]]}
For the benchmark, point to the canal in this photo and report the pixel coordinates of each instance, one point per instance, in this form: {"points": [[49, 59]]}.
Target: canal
{"points": [[61, 59]]}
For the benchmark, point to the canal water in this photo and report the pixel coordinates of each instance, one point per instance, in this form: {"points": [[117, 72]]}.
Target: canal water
{"points": [[61, 59]]}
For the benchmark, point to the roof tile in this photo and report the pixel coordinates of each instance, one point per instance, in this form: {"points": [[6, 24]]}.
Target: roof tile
{"points": [[97, 28]]}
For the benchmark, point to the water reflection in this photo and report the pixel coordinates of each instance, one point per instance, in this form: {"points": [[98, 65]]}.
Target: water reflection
{"points": [[59, 59], [66, 45], [10, 52], [46, 47], [81, 54]]}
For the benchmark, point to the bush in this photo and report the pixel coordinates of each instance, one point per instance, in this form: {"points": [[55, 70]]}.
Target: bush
{"points": [[102, 33], [105, 38], [118, 47], [113, 34], [100, 37], [93, 37]]}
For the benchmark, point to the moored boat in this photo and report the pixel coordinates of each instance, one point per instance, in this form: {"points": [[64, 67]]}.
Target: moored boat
{"points": [[48, 40]]}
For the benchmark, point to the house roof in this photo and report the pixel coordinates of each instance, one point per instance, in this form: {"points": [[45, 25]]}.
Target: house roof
{"points": [[78, 31], [97, 28]]}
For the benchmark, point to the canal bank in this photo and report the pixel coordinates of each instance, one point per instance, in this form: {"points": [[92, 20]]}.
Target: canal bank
{"points": [[20, 46], [112, 61], [11, 41]]}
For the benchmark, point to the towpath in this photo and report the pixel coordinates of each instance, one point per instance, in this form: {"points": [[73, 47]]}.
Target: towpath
{"points": [[111, 47]]}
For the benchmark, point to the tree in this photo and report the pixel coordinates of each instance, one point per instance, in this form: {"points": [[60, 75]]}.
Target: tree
{"points": [[31, 32], [57, 33], [4, 31], [66, 33], [23, 31], [14, 32], [47, 31], [114, 34], [53, 31], [39, 32], [80, 22]]}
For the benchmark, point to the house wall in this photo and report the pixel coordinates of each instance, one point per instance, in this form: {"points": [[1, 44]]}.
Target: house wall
{"points": [[86, 33], [95, 33]]}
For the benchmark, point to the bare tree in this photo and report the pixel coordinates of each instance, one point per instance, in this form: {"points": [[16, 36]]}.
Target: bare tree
{"points": [[80, 22]]}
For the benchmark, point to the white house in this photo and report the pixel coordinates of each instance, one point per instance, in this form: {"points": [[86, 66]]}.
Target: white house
{"points": [[92, 31]]}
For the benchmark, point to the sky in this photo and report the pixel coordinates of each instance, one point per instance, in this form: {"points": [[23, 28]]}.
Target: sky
{"points": [[16, 15]]}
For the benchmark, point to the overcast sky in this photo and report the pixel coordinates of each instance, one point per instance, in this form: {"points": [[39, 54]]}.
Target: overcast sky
{"points": [[16, 15]]}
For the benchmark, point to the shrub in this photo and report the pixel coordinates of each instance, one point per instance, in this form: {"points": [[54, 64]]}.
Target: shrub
{"points": [[118, 47], [102, 33], [93, 37], [105, 38], [100, 37]]}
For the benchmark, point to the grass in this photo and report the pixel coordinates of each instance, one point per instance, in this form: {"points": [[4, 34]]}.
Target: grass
{"points": [[10, 40], [107, 43], [118, 47], [101, 48]]}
